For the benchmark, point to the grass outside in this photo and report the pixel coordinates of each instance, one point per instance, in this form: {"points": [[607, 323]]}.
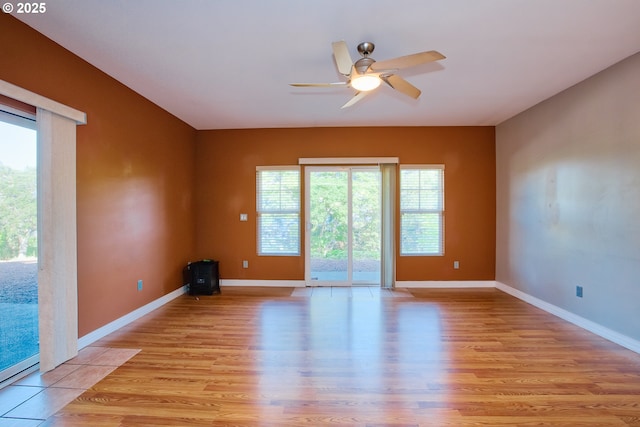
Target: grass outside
{"points": [[18, 311]]}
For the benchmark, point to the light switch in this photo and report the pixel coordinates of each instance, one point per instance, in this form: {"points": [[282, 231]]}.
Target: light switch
{"points": [[243, 217]]}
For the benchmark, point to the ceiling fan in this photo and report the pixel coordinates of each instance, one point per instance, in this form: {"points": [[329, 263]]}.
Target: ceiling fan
{"points": [[366, 74]]}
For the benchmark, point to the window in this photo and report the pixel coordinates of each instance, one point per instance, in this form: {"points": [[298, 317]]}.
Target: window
{"points": [[422, 210], [278, 210]]}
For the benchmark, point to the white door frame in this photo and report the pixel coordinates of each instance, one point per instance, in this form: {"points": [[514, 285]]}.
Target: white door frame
{"points": [[307, 239]]}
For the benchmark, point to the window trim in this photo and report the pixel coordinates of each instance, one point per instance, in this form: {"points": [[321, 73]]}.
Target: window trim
{"points": [[297, 211], [17, 118], [441, 211]]}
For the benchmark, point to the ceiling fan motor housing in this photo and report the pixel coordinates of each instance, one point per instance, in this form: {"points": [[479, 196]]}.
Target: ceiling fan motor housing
{"points": [[363, 64], [366, 48]]}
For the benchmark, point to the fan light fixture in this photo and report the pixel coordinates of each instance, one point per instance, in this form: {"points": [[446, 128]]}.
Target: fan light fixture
{"points": [[365, 83], [366, 74]]}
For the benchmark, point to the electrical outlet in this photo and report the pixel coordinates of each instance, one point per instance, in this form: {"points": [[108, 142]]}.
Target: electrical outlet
{"points": [[579, 291], [244, 217], [456, 264], [245, 264], [140, 285]]}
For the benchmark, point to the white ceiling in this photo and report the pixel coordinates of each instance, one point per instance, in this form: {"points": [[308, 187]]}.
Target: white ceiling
{"points": [[225, 64]]}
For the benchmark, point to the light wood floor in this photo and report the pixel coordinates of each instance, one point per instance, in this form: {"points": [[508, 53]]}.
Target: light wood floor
{"points": [[354, 357]]}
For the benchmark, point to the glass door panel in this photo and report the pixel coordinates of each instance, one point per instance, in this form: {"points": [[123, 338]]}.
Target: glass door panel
{"points": [[328, 229], [366, 225], [343, 238], [18, 248]]}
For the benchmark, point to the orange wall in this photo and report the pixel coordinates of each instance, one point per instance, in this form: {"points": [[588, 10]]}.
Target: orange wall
{"points": [[134, 178], [226, 164]]}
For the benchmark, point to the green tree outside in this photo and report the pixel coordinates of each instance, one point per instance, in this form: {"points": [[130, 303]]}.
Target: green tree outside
{"points": [[18, 212], [329, 215]]}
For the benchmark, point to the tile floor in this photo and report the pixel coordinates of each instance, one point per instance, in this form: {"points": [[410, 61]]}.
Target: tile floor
{"points": [[31, 400]]}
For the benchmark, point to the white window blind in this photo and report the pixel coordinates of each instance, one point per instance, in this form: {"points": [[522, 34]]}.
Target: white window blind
{"points": [[278, 210], [422, 210]]}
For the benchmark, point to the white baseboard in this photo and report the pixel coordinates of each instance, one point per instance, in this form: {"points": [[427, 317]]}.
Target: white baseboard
{"points": [[263, 283], [102, 332], [590, 326], [446, 284]]}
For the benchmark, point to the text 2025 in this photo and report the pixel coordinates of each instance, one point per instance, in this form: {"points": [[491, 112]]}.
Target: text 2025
{"points": [[31, 7]]}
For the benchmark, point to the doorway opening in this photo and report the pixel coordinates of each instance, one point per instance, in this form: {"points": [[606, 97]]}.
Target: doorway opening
{"points": [[343, 238]]}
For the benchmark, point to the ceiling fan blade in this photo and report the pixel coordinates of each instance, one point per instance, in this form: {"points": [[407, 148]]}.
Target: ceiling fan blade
{"points": [[357, 97], [337, 84], [401, 85], [407, 61], [342, 57]]}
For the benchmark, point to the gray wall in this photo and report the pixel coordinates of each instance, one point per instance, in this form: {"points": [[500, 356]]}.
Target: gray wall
{"points": [[568, 199]]}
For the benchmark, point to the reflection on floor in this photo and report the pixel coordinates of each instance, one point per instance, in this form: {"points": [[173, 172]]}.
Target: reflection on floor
{"points": [[35, 398], [351, 292], [30, 401]]}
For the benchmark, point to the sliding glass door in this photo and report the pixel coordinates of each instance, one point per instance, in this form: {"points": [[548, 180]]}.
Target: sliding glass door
{"points": [[18, 245], [343, 231]]}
